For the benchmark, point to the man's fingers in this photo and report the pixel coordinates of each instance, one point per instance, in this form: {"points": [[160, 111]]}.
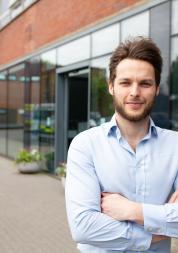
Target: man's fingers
{"points": [[158, 238], [104, 194], [174, 197]]}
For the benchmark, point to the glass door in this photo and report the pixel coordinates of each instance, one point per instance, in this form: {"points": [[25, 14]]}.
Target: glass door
{"points": [[72, 108], [77, 103]]}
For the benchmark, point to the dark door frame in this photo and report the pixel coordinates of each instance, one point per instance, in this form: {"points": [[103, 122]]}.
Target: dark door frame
{"points": [[61, 108]]}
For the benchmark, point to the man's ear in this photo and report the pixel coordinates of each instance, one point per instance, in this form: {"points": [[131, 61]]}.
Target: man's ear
{"points": [[157, 90], [111, 88]]}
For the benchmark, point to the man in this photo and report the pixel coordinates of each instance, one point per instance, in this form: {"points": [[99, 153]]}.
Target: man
{"points": [[122, 174]]}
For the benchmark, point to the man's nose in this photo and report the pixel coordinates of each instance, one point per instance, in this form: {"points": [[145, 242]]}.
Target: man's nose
{"points": [[134, 90]]}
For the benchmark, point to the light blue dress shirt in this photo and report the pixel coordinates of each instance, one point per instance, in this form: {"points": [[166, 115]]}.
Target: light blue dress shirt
{"points": [[101, 160]]}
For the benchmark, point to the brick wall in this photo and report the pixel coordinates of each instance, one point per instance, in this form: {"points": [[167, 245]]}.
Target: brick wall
{"points": [[49, 20]]}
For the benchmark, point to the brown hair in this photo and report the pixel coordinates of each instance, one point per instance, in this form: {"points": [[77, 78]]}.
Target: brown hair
{"points": [[138, 48]]}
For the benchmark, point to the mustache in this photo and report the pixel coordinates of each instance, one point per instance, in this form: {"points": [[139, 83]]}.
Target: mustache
{"points": [[134, 101]]}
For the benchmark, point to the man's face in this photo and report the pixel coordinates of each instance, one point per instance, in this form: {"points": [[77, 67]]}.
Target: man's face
{"points": [[134, 89]]}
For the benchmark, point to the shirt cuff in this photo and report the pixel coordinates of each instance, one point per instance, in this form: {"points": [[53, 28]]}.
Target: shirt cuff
{"points": [[140, 239], [154, 219]]}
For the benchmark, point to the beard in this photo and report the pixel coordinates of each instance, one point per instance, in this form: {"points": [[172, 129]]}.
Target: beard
{"points": [[119, 108]]}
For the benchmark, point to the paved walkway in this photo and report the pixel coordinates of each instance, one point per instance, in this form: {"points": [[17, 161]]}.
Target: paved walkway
{"points": [[32, 213]]}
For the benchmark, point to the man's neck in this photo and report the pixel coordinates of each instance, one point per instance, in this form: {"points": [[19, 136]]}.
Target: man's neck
{"points": [[133, 132]]}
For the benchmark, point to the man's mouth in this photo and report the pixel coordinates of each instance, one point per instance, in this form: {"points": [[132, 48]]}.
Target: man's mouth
{"points": [[134, 104]]}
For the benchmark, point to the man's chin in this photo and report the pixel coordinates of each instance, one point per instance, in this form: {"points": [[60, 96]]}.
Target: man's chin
{"points": [[134, 117]]}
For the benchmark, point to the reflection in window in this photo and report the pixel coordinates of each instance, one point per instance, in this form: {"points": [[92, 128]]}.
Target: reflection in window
{"points": [[32, 103], [47, 117], [105, 40], [3, 112], [15, 109], [48, 60], [4, 5], [174, 83], [135, 26], [101, 101], [174, 16], [74, 51]]}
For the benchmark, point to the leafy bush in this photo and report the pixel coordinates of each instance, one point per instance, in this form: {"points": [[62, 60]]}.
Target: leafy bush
{"points": [[28, 156], [61, 169]]}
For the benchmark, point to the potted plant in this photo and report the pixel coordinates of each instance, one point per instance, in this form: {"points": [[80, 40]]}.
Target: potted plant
{"points": [[49, 158], [29, 161], [61, 172]]}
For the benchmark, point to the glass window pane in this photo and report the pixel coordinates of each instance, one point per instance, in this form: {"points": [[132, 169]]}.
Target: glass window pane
{"points": [[47, 117], [4, 4], [48, 60], [16, 87], [105, 40], [101, 101], [74, 51], [3, 112], [174, 16], [174, 83], [174, 48], [32, 103], [135, 26]]}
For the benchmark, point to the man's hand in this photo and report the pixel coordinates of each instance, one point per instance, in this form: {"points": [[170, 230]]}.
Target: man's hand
{"points": [[174, 197], [158, 238], [120, 208]]}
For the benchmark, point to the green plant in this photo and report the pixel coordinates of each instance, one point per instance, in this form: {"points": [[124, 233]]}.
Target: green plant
{"points": [[49, 156], [61, 169], [28, 156], [49, 159]]}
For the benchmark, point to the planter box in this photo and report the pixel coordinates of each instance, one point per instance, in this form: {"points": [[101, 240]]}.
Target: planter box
{"points": [[63, 181], [32, 167]]}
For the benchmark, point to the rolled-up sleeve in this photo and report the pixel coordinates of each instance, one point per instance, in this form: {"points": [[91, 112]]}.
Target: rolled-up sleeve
{"points": [[83, 195], [161, 219]]}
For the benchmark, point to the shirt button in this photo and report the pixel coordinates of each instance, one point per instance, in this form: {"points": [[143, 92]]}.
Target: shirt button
{"points": [[159, 230], [141, 192], [142, 248], [150, 229], [134, 247]]}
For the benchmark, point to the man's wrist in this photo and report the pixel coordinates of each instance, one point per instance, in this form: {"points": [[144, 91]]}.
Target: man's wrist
{"points": [[136, 213]]}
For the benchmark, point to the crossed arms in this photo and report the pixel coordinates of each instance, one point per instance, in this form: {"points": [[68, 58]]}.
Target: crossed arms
{"points": [[111, 221], [122, 209]]}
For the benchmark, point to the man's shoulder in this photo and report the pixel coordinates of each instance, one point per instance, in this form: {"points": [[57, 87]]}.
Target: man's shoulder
{"points": [[92, 133], [167, 133]]}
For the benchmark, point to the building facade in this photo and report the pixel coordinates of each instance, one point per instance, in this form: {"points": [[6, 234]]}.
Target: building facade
{"points": [[54, 67]]}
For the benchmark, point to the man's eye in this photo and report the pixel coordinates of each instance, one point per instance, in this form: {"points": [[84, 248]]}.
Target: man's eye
{"points": [[145, 84], [124, 83]]}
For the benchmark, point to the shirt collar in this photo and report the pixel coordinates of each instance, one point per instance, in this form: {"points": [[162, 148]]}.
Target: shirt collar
{"points": [[112, 126]]}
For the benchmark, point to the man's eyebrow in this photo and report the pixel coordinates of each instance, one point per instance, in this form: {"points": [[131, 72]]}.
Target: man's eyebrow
{"points": [[123, 79], [147, 81]]}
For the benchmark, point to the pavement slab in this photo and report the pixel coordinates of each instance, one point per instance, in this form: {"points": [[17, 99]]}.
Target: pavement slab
{"points": [[32, 213]]}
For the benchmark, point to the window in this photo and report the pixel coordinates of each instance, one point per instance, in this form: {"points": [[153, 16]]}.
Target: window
{"points": [[3, 112], [32, 103], [16, 88], [105, 40], [48, 60], [174, 17], [101, 101], [174, 82], [74, 51], [135, 26]]}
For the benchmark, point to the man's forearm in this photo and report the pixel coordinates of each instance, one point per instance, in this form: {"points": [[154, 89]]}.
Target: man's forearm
{"points": [[122, 209], [128, 210], [136, 213]]}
